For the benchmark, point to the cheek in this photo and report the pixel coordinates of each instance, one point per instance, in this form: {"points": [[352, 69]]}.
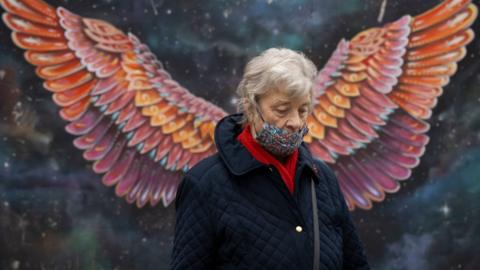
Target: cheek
{"points": [[257, 126], [280, 122], [270, 116], [304, 118], [275, 119]]}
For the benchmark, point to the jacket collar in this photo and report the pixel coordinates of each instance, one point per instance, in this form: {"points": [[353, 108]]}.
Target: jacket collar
{"points": [[237, 158]]}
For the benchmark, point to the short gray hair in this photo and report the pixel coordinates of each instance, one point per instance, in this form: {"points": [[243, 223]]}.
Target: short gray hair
{"points": [[275, 68]]}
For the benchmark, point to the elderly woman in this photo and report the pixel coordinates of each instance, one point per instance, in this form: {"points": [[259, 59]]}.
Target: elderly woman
{"points": [[250, 206]]}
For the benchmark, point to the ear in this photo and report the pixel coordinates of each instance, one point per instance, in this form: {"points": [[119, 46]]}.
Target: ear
{"points": [[247, 108]]}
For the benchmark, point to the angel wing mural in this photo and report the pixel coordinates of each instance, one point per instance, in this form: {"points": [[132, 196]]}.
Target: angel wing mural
{"points": [[142, 130]]}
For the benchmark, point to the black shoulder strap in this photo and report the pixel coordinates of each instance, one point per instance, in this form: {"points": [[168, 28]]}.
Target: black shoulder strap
{"points": [[316, 233]]}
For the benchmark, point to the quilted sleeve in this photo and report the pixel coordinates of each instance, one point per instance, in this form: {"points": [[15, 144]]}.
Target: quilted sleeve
{"points": [[354, 256], [194, 240]]}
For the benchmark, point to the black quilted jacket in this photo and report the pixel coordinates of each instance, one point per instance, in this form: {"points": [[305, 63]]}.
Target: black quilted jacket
{"points": [[236, 213]]}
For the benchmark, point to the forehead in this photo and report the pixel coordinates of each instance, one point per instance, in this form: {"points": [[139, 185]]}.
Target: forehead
{"points": [[277, 97]]}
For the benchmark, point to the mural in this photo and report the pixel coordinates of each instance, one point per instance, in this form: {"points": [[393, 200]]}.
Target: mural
{"points": [[396, 117]]}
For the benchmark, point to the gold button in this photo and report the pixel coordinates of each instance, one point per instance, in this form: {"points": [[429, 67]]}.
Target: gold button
{"points": [[299, 228]]}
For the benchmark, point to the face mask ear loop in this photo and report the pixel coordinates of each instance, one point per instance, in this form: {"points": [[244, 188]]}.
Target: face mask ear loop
{"points": [[305, 127], [261, 117], [258, 111]]}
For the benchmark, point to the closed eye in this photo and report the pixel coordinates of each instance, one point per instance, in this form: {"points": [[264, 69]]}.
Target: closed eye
{"points": [[303, 111]]}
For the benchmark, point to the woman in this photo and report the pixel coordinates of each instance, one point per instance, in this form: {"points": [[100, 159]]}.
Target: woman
{"points": [[250, 205]]}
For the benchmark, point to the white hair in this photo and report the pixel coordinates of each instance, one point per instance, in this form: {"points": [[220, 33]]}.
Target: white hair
{"points": [[278, 69]]}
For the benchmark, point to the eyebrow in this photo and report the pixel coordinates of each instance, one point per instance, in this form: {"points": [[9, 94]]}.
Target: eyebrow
{"points": [[283, 103]]}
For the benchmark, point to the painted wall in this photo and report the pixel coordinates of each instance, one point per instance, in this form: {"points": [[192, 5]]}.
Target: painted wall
{"points": [[56, 214]]}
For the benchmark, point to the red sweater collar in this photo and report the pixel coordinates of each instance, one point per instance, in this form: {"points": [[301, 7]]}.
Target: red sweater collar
{"points": [[286, 170]]}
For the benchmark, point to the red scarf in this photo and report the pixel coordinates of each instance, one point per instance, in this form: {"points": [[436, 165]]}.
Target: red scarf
{"points": [[287, 170]]}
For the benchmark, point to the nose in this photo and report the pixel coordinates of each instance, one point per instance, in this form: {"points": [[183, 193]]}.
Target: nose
{"points": [[294, 122]]}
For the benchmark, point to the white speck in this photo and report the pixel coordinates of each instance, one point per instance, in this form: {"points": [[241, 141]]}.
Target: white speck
{"points": [[445, 209], [144, 240], [269, 1], [15, 264], [382, 11], [54, 164], [169, 11], [53, 224], [154, 6], [2, 74], [6, 203], [226, 13], [6, 165]]}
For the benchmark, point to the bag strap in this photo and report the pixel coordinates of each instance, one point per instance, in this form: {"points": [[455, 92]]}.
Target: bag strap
{"points": [[316, 233]]}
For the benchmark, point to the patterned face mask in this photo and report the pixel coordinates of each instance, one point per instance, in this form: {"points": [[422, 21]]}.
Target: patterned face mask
{"points": [[278, 141]]}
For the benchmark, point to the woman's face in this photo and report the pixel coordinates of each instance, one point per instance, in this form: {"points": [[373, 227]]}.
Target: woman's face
{"points": [[279, 109]]}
